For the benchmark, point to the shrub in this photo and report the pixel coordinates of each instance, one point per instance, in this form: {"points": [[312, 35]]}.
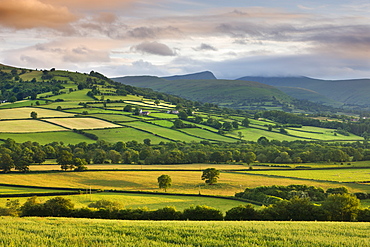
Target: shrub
{"points": [[202, 213], [242, 212]]}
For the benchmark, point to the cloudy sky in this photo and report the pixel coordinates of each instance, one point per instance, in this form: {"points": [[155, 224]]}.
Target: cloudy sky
{"points": [[322, 39]]}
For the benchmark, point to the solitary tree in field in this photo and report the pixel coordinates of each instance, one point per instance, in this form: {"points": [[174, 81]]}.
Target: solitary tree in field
{"points": [[240, 135], [164, 182], [33, 115], [210, 175]]}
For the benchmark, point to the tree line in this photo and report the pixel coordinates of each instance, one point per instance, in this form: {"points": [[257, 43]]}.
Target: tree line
{"points": [[20, 156]]}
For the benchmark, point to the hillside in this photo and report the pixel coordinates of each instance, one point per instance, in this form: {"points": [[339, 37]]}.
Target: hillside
{"points": [[206, 75], [231, 93], [73, 107], [349, 92]]}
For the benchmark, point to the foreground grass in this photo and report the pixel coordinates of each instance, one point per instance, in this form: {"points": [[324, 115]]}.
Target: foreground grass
{"points": [[88, 232]]}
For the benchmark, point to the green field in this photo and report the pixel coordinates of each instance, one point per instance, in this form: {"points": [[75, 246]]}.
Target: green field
{"points": [[95, 232], [125, 135], [116, 117], [207, 135], [129, 200], [67, 137], [79, 96], [340, 175], [163, 132], [253, 134], [5, 190]]}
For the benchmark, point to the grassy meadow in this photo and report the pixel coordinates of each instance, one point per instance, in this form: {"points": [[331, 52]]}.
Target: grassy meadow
{"points": [[96, 232], [24, 112]]}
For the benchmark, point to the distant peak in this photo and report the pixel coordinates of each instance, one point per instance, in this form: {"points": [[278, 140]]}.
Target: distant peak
{"points": [[204, 75]]}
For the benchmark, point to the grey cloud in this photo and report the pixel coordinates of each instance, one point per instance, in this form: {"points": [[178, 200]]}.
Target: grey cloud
{"points": [[154, 48], [205, 47]]}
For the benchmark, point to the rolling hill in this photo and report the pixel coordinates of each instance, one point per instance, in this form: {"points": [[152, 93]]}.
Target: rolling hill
{"points": [[348, 92], [231, 93], [205, 75]]}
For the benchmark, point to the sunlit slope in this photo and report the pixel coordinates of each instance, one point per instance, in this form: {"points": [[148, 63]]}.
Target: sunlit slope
{"points": [[211, 91]]}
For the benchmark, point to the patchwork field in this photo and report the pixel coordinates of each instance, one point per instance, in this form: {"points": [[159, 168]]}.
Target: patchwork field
{"points": [[82, 123], [97, 232], [26, 126], [24, 112]]}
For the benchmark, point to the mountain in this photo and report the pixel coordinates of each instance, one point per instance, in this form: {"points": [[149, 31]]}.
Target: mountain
{"points": [[232, 93], [205, 75], [349, 92]]}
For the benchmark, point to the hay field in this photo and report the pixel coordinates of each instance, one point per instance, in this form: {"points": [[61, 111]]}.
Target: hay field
{"points": [[27, 126], [24, 112], [182, 181], [82, 123]]}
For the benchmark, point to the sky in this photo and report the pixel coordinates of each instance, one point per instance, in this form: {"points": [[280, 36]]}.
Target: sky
{"points": [[235, 38]]}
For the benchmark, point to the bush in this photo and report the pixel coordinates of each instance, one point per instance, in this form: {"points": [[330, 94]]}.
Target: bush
{"points": [[242, 212], [202, 213]]}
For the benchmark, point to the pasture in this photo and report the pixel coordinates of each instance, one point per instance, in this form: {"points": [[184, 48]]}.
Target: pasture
{"points": [[208, 135], [339, 175], [126, 134], [27, 126], [131, 200], [24, 112], [163, 132], [97, 232], [79, 95], [82, 123], [67, 137]]}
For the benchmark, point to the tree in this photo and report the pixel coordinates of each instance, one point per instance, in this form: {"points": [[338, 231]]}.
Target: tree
{"points": [[65, 160], [183, 115], [210, 175], [58, 206], [245, 122], [235, 124], [114, 156], [227, 126], [127, 108], [80, 164], [33, 115], [164, 182], [157, 102], [250, 157], [147, 141], [341, 207], [178, 124], [240, 135], [6, 162]]}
